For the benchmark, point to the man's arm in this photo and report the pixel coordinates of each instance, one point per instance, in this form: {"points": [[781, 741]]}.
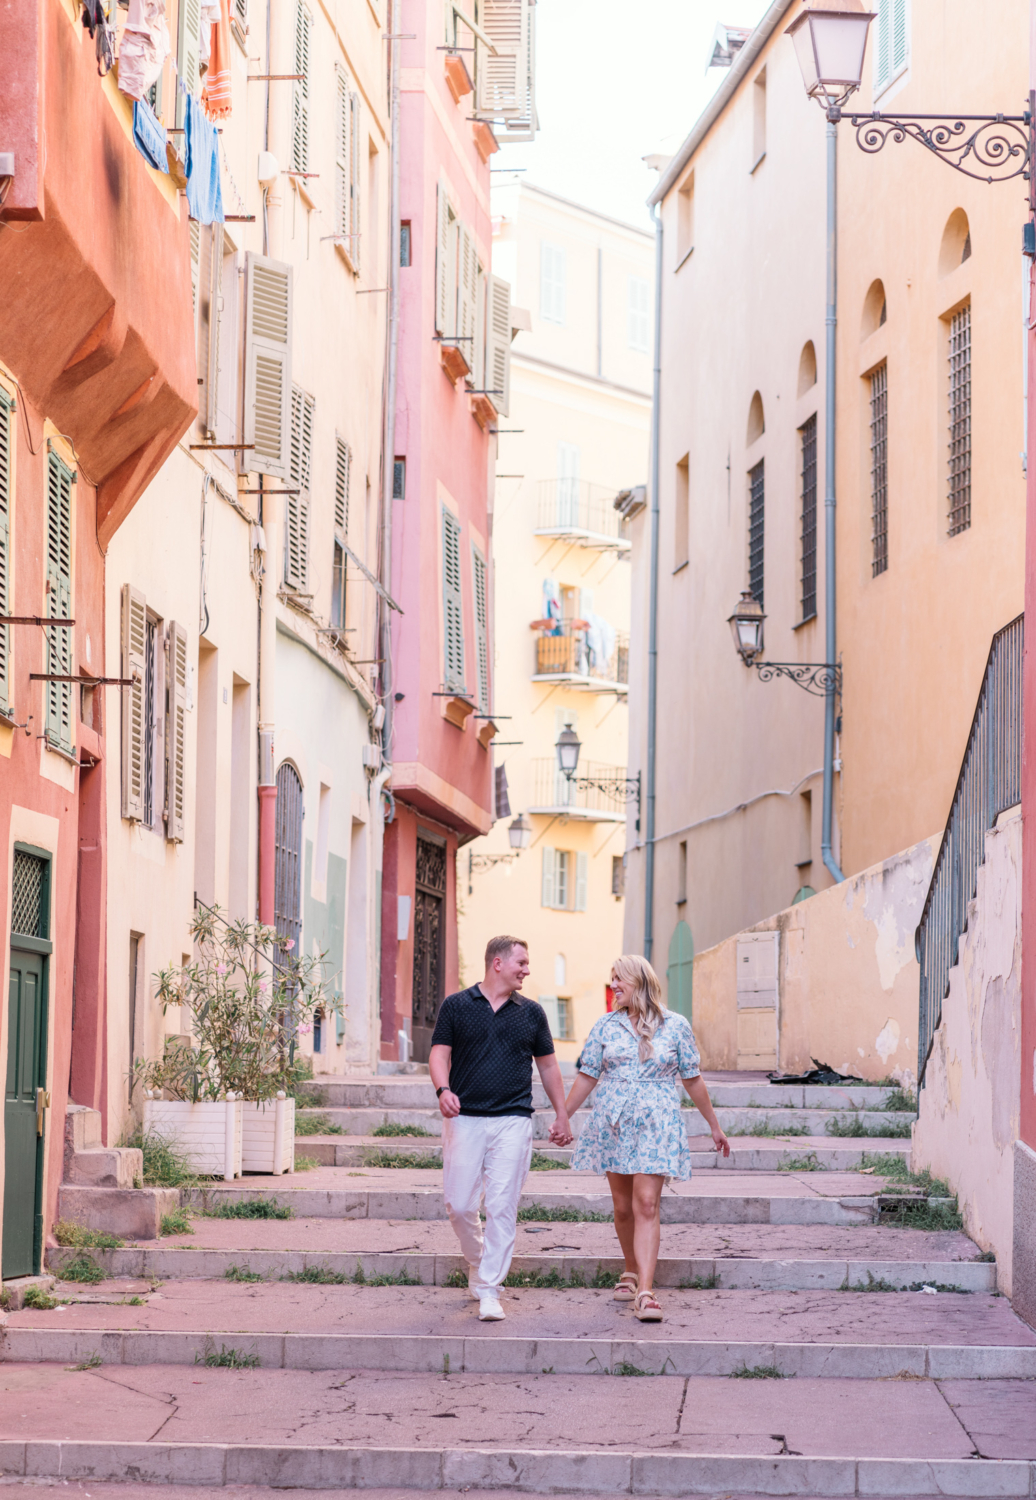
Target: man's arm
{"points": [[439, 1072], [554, 1086]]}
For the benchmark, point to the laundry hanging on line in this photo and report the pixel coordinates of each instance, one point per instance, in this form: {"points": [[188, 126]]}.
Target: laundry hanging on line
{"points": [[204, 193], [144, 47], [215, 94], [149, 135]]}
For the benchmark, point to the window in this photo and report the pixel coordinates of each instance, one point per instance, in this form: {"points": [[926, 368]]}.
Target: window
{"points": [[960, 421], [891, 44], [6, 470], [559, 1016], [498, 343], [300, 90], [618, 876], [154, 710], [347, 165], [552, 283], [756, 508], [343, 468], [758, 118], [556, 878], [58, 697], [296, 519], [638, 314], [478, 564], [879, 472], [187, 53], [287, 867], [399, 479], [445, 266], [808, 436], [681, 518], [681, 873], [268, 364], [453, 613], [404, 243]]}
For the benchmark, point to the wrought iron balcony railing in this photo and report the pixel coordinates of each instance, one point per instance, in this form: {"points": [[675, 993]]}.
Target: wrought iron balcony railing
{"points": [[571, 651], [553, 792], [581, 512]]}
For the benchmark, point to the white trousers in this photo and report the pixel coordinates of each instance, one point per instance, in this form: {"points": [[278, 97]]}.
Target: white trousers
{"points": [[491, 1157]]}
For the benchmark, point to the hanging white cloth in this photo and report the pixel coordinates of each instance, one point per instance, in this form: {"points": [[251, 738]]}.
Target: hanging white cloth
{"points": [[144, 47]]}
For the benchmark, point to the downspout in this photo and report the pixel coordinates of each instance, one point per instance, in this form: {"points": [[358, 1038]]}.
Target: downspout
{"points": [[830, 633], [388, 472], [652, 704], [271, 524]]}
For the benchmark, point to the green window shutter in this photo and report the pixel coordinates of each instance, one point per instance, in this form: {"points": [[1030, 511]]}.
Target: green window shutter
{"points": [[680, 974], [899, 35], [135, 726], [59, 600], [300, 90], [453, 615], [6, 446], [481, 628]]}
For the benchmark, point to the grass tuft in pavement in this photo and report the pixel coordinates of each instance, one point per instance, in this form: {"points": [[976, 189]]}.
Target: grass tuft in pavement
{"points": [[807, 1163], [766, 1131], [411, 1130], [625, 1368], [540, 1213], [227, 1359], [900, 1099], [317, 1125], [913, 1212], [178, 1222], [541, 1163], [91, 1362], [77, 1235], [241, 1273], [165, 1164], [250, 1208], [37, 1298], [82, 1268], [701, 1283], [305, 1163], [373, 1158], [758, 1372], [850, 1129]]}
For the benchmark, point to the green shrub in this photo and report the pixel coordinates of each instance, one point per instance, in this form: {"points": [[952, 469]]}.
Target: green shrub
{"points": [[78, 1236]]}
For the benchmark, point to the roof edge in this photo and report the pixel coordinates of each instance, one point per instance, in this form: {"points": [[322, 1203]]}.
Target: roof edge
{"points": [[719, 101]]}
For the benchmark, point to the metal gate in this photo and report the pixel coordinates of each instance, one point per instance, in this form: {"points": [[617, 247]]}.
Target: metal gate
{"points": [[429, 935], [287, 901]]}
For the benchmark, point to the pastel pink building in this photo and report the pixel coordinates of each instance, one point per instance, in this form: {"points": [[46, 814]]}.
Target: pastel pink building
{"points": [[463, 87]]}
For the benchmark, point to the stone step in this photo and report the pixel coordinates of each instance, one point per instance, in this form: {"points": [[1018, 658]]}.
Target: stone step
{"points": [[355, 1120], [88, 1162], [131, 1213], [808, 1153], [416, 1092], [774, 1272]]}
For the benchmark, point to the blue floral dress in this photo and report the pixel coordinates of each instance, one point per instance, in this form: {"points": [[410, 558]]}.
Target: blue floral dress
{"points": [[636, 1123]]}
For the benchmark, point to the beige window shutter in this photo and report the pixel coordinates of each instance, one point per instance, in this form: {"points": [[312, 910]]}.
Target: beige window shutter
{"points": [[268, 333], [343, 467], [503, 82], [300, 90], [188, 54], [481, 627], [354, 185], [445, 276], [176, 733], [582, 877], [134, 709], [211, 303], [343, 166], [296, 548], [467, 287], [498, 344]]}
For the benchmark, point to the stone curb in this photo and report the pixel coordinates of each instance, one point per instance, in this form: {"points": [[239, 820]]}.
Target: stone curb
{"points": [[417, 1093], [757, 1273], [433, 1354], [572, 1471]]}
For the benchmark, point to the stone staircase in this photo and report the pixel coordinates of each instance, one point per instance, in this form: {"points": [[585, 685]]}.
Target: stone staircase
{"points": [[339, 1348]]}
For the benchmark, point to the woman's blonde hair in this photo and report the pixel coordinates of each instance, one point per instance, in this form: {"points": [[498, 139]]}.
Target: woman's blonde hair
{"points": [[643, 1003]]}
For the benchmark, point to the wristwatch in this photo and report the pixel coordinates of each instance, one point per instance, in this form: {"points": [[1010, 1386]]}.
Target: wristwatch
{"points": [[440, 1091]]}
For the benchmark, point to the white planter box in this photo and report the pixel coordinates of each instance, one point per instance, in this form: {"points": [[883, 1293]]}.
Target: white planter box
{"points": [[269, 1136], [209, 1134]]}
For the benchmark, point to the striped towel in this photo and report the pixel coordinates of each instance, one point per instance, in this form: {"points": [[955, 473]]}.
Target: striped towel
{"points": [[215, 95]]}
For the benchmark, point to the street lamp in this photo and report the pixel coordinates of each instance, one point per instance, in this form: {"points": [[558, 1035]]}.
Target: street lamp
{"points": [[622, 788], [568, 748], [746, 624], [519, 833], [830, 44]]}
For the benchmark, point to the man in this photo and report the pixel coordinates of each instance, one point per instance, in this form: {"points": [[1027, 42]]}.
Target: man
{"points": [[483, 1046]]}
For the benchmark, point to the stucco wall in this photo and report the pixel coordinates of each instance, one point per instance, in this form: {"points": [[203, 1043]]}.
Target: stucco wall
{"points": [[847, 976], [969, 1110]]}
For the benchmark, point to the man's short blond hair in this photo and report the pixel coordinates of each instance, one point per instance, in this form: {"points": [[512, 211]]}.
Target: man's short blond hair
{"points": [[500, 947]]}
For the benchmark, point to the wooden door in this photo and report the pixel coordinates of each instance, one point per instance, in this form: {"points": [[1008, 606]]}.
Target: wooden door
{"points": [[429, 944], [23, 1144]]}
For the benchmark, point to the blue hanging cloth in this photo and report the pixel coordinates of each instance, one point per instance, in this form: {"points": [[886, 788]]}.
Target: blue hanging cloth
{"points": [[149, 135], [204, 194]]}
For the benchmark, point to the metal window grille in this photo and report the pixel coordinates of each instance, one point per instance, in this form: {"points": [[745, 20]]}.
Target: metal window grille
{"points": [[960, 422], [29, 895], [756, 508], [879, 471], [150, 640], [808, 433], [429, 931], [288, 855]]}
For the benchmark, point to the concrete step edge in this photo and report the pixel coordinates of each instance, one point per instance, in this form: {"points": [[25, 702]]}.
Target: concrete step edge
{"points": [[502, 1355], [525, 1470]]}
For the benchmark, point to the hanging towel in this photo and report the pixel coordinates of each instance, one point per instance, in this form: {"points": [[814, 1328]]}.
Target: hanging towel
{"points": [[552, 604], [204, 194], [144, 47], [215, 96], [149, 135], [208, 18]]}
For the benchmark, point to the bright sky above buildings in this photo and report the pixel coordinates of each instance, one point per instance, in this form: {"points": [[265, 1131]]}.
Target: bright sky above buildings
{"points": [[616, 82]]}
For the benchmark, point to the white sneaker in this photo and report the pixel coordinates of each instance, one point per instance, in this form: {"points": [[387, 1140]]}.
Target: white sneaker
{"points": [[489, 1309], [473, 1292]]}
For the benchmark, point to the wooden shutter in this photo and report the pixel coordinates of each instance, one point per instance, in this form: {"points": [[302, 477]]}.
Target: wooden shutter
{"points": [[582, 873], [503, 89], [211, 280], [354, 180], [467, 285], [548, 884], [188, 54], [59, 600], [478, 358], [898, 39], [134, 709], [481, 627], [498, 344], [343, 159], [300, 90], [6, 468], [195, 233], [176, 732], [267, 365], [296, 539], [882, 66], [445, 283], [343, 467], [453, 617]]}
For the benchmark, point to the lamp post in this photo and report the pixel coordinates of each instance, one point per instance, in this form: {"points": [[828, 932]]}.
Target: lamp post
{"points": [[519, 833], [622, 788], [746, 624]]}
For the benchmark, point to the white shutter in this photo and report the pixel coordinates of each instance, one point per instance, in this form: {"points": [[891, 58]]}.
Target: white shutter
{"points": [[550, 1005], [134, 710], [503, 84], [481, 627], [453, 612], [343, 169], [498, 344], [195, 232], [548, 881], [582, 870], [478, 359], [354, 180], [187, 55], [6, 446], [343, 468], [552, 282], [212, 304], [267, 365], [58, 695], [176, 732], [467, 281], [891, 42], [300, 90], [296, 519], [445, 283]]}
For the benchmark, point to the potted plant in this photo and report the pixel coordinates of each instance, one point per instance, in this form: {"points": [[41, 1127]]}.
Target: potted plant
{"points": [[248, 996]]}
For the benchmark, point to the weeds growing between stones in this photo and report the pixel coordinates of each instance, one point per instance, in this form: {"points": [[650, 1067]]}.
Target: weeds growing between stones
{"points": [[807, 1163], [317, 1125], [165, 1164], [178, 1222], [411, 1130], [758, 1372], [91, 1362], [851, 1129], [541, 1163], [249, 1208], [241, 1273], [700, 1283], [82, 1268], [540, 1213], [37, 1298], [372, 1158], [227, 1359], [78, 1236]]}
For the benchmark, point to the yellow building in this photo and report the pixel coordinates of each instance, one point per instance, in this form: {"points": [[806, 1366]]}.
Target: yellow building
{"points": [[576, 435]]}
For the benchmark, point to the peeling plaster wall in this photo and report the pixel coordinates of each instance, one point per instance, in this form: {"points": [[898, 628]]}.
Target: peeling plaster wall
{"points": [[848, 978], [970, 1104]]}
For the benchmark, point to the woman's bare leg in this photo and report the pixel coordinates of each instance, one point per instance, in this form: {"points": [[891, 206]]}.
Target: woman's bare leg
{"points": [[622, 1201], [646, 1197]]}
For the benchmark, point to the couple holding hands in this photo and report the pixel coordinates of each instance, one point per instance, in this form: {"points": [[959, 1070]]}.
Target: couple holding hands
{"points": [[485, 1041]]}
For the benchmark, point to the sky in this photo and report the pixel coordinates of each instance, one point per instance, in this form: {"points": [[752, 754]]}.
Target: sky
{"points": [[617, 81]]}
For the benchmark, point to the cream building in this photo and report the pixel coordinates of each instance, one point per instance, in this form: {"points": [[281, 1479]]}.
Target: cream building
{"points": [[575, 435], [929, 481]]}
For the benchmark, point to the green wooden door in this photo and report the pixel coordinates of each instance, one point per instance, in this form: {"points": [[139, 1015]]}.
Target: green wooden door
{"points": [[680, 973], [22, 1144]]}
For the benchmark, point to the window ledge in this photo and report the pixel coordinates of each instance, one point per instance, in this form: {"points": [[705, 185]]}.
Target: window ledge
{"points": [[680, 566], [757, 163], [807, 620], [684, 258]]}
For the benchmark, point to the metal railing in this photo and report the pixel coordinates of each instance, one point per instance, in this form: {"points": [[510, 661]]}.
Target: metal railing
{"points": [[990, 781], [568, 650], [552, 788], [576, 508]]}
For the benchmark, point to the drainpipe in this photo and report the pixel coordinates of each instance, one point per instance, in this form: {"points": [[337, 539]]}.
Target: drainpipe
{"points": [[388, 474], [652, 706], [830, 636], [271, 519]]}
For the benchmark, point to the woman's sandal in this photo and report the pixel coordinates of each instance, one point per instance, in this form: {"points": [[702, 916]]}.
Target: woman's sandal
{"points": [[646, 1308], [626, 1287]]}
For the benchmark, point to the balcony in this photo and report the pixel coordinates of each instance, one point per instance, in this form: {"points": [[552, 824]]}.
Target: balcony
{"points": [[553, 795], [571, 652], [580, 512]]}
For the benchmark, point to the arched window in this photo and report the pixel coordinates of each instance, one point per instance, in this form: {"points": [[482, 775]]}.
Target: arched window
{"points": [[807, 368], [955, 247], [874, 310], [756, 420], [287, 905], [680, 973]]}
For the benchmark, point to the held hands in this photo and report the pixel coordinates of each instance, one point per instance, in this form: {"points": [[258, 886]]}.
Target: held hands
{"points": [[449, 1105], [721, 1142], [561, 1132]]}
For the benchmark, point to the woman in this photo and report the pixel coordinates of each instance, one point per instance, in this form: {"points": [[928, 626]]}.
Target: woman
{"points": [[636, 1133]]}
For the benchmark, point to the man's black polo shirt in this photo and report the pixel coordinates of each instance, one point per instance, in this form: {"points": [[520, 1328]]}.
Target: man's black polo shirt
{"points": [[491, 1065]]}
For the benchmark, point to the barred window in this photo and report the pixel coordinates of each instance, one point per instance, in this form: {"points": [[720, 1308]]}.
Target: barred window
{"points": [[960, 422], [879, 471], [808, 433], [756, 506]]}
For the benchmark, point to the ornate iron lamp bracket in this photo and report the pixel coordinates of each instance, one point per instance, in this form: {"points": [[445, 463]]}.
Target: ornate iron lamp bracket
{"points": [[622, 788], [815, 678], [487, 861]]}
